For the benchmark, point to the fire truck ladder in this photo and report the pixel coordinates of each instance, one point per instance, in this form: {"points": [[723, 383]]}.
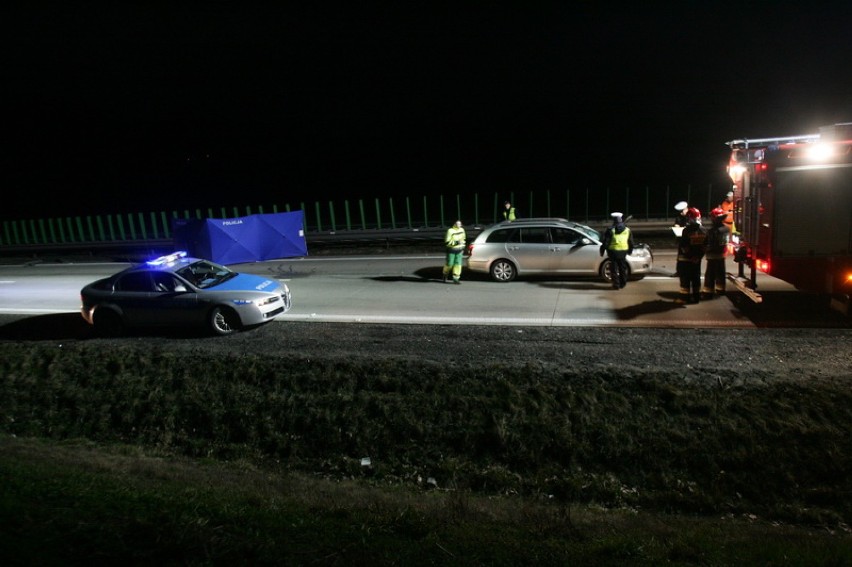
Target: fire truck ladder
{"points": [[746, 143]]}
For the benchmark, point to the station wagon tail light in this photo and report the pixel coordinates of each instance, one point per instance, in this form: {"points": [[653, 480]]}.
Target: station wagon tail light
{"points": [[162, 260], [763, 266]]}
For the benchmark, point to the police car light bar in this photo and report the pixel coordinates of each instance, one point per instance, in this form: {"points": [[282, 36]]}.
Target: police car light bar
{"points": [[167, 259]]}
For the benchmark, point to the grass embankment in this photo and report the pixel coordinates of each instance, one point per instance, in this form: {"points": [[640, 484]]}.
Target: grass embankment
{"points": [[139, 455]]}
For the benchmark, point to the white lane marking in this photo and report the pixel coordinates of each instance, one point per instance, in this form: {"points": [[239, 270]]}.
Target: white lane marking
{"points": [[64, 264], [77, 264], [505, 321], [509, 321], [34, 310], [349, 259]]}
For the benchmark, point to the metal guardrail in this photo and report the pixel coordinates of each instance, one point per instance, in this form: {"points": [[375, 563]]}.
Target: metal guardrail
{"points": [[137, 249], [437, 234]]}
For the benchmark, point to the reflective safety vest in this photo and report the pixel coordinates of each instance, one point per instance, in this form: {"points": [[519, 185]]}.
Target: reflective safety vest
{"points": [[509, 214], [620, 240], [728, 207], [455, 239]]}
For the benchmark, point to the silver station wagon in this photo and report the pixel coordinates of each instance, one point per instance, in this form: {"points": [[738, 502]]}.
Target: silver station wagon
{"points": [[547, 247], [177, 290]]}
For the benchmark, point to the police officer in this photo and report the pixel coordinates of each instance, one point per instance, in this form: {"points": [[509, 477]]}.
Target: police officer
{"points": [[681, 219], [509, 211], [690, 251], [679, 223], [717, 248], [454, 242], [618, 244]]}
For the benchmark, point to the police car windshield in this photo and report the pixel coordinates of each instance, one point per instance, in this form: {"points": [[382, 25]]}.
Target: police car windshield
{"points": [[204, 274]]}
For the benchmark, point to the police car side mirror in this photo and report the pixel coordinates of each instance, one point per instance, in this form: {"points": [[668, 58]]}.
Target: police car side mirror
{"points": [[180, 288], [584, 242]]}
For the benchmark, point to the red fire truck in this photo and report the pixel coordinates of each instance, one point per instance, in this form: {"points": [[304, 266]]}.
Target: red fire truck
{"points": [[793, 212]]}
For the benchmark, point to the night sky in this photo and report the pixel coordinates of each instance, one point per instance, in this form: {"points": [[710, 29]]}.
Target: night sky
{"points": [[111, 108]]}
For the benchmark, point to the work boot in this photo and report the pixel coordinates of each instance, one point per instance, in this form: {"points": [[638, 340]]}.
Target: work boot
{"points": [[457, 282]]}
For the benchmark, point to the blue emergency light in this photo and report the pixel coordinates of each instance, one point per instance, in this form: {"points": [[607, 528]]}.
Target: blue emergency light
{"points": [[173, 257]]}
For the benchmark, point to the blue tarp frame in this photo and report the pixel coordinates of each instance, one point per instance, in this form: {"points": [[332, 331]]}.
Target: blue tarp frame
{"points": [[238, 240]]}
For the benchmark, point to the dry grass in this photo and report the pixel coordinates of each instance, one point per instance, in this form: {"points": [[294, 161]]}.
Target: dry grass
{"points": [[219, 458], [76, 502]]}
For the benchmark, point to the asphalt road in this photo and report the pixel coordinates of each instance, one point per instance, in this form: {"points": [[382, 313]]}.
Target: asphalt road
{"points": [[407, 289]]}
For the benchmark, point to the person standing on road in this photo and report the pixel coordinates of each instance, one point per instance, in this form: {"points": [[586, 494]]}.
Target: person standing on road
{"points": [[454, 242], [690, 251], [717, 249], [681, 220], [618, 244], [677, 228], [509, 211], [728, 206]]}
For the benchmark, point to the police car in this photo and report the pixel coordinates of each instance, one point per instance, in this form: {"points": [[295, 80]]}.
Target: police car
{"points": [[178, 290]]}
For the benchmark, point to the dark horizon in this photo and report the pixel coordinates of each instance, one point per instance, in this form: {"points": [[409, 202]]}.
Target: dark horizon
{"points": [[131, 108]]}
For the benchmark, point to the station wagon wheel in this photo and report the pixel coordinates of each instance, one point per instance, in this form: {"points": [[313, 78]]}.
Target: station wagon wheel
{"points": [[107, 323], [503, 270], [224, 321], [606, 270]]}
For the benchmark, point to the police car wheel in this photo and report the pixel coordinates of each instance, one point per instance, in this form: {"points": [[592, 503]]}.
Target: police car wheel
{"points": [[503, 271], [224, 321]]}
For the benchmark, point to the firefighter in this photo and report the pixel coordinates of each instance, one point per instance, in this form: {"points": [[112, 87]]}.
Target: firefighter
{"points": [[509, 211], [618, 244], [716, 251], [728, 207], [690, 251], [454, 243]]}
